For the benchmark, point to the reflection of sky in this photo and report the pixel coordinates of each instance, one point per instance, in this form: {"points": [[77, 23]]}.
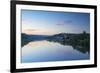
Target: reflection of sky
{"points": [[43, 51], [49, 22]]}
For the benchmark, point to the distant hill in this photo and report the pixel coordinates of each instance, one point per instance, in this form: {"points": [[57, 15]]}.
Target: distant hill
{"points": [[33, 37], [25, 38]]}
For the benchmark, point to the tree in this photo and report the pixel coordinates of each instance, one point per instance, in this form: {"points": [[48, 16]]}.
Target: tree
{"points": [[84, 32]]}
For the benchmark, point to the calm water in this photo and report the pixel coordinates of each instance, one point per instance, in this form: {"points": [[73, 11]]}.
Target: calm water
{"points": [[43, 51]]}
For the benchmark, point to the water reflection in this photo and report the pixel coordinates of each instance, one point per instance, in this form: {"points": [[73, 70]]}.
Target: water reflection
{"points": [[43, 51], [80, 48]]}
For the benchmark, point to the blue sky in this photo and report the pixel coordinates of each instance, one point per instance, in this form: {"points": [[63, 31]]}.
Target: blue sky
{"points": [[52, 22]]}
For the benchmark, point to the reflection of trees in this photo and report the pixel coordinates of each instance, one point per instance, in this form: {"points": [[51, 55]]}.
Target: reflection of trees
{"points": [[80, 48]]}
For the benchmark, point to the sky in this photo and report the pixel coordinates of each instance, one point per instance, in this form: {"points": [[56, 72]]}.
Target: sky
{"points": [[52, 22]]}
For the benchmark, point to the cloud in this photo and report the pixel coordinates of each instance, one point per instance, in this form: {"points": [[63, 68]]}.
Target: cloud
{"points": [[62, 23], [68, 21]]}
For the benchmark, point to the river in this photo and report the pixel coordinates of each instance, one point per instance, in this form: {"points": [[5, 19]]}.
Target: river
{"points": [[45, 51]]}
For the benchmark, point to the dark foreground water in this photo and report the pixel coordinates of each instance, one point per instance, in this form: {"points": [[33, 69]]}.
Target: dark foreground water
{"points": [[44, 51]]}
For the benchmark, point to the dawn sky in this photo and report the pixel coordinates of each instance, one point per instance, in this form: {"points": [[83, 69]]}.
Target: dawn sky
{"points": [[51, 22]]}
